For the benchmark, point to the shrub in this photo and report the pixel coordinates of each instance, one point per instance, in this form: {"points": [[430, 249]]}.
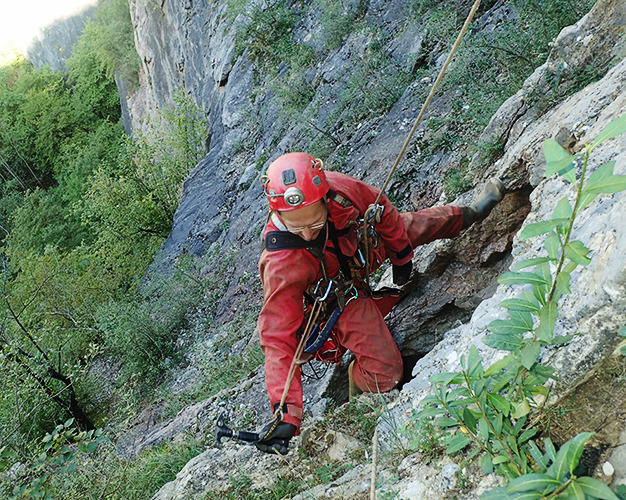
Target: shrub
{"points": [[489, 407]]}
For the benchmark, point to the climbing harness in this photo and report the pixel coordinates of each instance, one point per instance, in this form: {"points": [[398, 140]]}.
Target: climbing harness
{"points": [[293, 198]]}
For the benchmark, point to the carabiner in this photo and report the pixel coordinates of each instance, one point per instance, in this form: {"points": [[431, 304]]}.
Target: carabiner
{"points": [[353, 289], [327, 293]]}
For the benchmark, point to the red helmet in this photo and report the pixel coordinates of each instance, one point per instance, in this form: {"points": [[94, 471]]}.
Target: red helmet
{"points": [[294, 180]]}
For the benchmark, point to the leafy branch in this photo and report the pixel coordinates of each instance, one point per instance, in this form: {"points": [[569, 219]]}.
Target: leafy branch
{"points": [[490, 408]]}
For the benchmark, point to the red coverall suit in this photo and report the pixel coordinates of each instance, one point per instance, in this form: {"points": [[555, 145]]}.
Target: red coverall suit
{"points": [[286, 274]]}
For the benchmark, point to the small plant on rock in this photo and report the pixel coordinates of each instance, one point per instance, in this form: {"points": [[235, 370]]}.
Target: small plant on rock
{"points": [[489, 407]]}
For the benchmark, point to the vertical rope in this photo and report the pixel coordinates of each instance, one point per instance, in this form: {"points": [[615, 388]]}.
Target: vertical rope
{"points": [[314, 313], [455, 47]]}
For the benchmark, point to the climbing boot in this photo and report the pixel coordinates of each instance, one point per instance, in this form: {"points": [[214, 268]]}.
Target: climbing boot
{"points": [[353, 389], [489, 197]]}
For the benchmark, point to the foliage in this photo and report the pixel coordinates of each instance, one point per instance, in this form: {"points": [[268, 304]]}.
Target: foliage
{"points": [[268, 37], [109, 40], [492, 65], [556, 477], [58, 457], [130, 204], [71, 250], [456, 180], [337, 22], [220, 368], [490, 407], [82, 466], [372, 86]]}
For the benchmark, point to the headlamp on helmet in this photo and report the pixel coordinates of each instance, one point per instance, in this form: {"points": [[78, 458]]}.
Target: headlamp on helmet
{"points": [[294, 180]]}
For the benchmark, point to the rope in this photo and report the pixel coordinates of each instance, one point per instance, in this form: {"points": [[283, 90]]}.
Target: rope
{"points": [[317, 306], [374, 460], [455, 47]]}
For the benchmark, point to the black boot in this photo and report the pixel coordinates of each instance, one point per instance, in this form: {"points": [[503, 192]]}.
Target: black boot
{"points": [[489, 197]]}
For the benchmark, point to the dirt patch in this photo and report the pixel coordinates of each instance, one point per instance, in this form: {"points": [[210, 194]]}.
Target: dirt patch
{"points": [[596, 405]]}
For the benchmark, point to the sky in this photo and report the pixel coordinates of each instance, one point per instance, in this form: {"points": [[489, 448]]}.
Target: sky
{"points": [[21, 20]]}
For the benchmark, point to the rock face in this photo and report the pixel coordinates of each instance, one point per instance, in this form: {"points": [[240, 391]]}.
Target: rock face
{"points": [[184, 44], [53, 46]]}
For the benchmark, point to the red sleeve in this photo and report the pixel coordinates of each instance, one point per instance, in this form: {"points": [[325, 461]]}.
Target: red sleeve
{"points": [[390, 229], [285, 275]]}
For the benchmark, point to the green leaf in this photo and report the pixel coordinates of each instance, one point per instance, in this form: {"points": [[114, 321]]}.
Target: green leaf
{"points": [[608, 185], [461, 402], [561, 339], [447, 378], [573, 492], [529, 354], [483, 427], [596, 489], [539, 292], [613, 129], [503, 341], [533, 482], [577, 252], [431, 412], [518, 426], [523, 318], [595, 179], [564, 167], [457, 442], [553, 151], [563, 210], [531, 262], [525, 495], [445, 422], [576, 449], [550, 450], [497, 367], [474, 363], [497, 423], [501, 459], [499, 403], [520, 305], [469, 420], [524, 278], [552, 245], [508, 326], [585, 200], [562, 283], [570, 267], [495, 494], [521, 408], [537, 455], [548, 316], [527, 434], [541, 227], [486, 464], [560, 467], [543, 270]]}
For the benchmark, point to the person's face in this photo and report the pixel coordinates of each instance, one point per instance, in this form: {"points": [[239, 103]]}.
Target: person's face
{"points": [[306, 222]]}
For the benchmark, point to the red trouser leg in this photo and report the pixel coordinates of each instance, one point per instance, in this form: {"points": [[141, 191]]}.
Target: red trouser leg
{"points": [[361, 329], [432, 224]]}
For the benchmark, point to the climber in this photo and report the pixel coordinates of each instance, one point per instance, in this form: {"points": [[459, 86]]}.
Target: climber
{"points": [[314, 239]]}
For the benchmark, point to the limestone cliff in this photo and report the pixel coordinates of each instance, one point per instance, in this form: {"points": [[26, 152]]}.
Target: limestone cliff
{"points": [[191, 45]]}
